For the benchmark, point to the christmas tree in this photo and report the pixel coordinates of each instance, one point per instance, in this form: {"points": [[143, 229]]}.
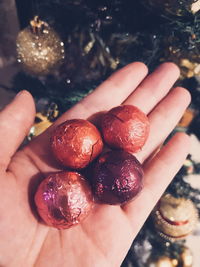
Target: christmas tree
{"points": [[66, 49]]}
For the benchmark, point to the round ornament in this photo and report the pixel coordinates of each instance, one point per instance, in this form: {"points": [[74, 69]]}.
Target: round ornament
{"points": [[39, 48], [175, 218], [174, 7], [63, 199]]}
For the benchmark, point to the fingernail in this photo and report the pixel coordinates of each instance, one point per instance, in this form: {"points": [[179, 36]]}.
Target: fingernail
{"points": [[19, 94]]}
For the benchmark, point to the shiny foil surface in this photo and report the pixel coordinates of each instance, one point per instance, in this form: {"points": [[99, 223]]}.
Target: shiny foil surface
{"points": [[117, 177], [76, 143], [125, 127], [63, 199]]}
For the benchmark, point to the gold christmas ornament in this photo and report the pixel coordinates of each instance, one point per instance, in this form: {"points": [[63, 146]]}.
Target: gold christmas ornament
{"points": [[39, 48], [175, 218]]}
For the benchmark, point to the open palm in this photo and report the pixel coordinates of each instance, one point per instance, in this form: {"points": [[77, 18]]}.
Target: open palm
{"points": [[104, 237]]}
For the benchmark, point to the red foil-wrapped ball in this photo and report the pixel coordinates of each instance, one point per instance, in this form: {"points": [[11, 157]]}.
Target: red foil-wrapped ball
{"points": [[117, 177], [125, 127], [63, 199], [75, 143]]}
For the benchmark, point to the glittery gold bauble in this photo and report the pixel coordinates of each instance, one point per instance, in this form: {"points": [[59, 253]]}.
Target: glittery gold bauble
{"points": [[175, 7], [39, 48], [175, 218], [186, 258], [161, 262]]}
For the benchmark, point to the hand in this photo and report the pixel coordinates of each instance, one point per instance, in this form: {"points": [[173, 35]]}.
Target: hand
{"points": [[104, 237]]}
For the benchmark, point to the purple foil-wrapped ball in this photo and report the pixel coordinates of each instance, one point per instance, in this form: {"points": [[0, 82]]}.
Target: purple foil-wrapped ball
{"points": [[64, 199], [117, 177]]}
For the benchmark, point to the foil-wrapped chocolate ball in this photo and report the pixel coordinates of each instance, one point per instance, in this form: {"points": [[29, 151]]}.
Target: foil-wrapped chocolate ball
{"points": [[117, 177], [125, 127], [63, 199], [76, 143]]}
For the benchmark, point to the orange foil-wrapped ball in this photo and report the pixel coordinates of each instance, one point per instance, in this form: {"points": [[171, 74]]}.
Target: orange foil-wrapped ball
{"points": [[76, 143], [63, 199], [125, 127]]}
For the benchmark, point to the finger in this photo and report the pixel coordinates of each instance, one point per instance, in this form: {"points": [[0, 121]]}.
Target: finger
{"points": [[154, 87], [110, 93], [158, 174], [15, 122], [164, 118]]}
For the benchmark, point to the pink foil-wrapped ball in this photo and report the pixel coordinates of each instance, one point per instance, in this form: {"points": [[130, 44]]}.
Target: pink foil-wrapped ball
{"points": [[64, 199]]}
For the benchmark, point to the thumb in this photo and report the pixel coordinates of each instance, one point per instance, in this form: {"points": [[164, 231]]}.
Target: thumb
{"points": [[15, 121]]}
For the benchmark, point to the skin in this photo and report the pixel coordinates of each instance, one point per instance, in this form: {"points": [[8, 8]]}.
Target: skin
{"points": [[103, 239]]}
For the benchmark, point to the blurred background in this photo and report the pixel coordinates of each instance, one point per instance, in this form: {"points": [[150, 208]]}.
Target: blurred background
{"points": [[60, 50]]}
